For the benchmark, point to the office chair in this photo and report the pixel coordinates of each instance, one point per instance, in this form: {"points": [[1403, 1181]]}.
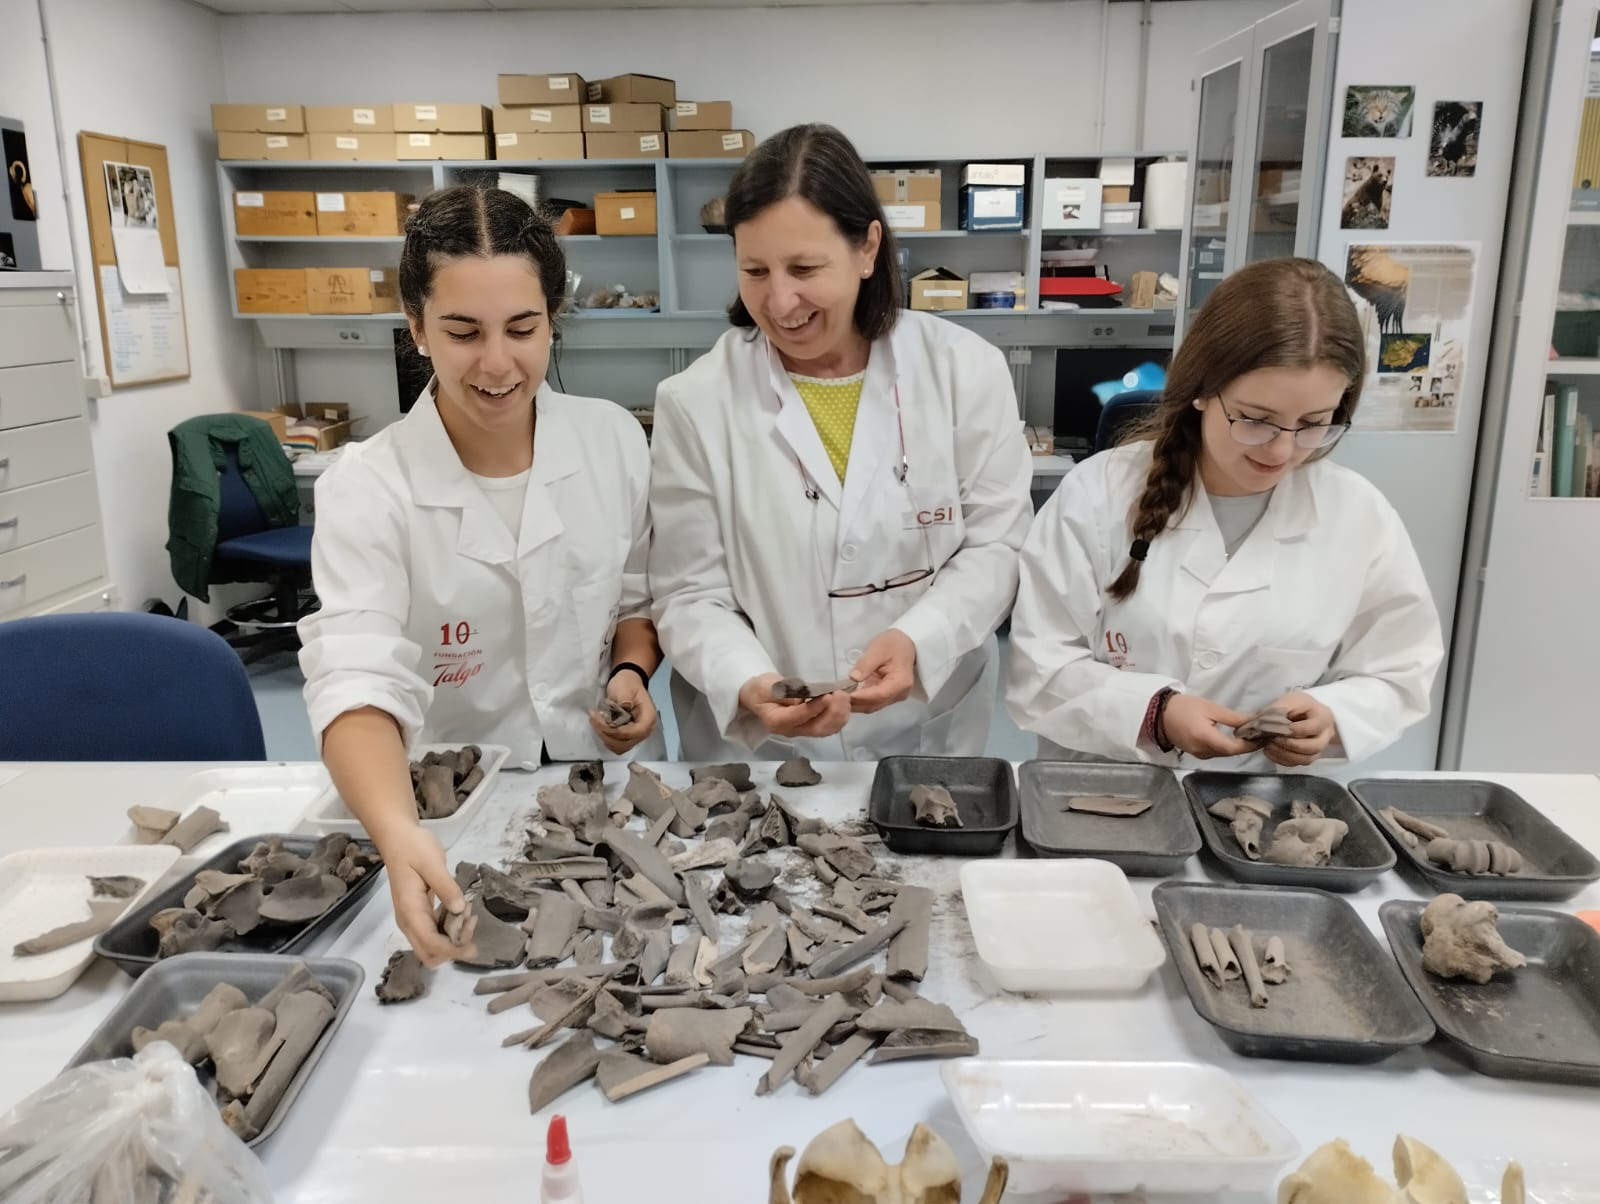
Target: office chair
{"points": [[249, 549], [123, 687], [1122, 412]]}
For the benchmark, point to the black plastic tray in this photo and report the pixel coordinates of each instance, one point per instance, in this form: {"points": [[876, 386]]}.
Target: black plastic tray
{"points": [[178, 985], [1152, 845], [1363, 857], [1345, 1000], [984, 791], [1554, 866], [1539, 1022], [132, 943]]}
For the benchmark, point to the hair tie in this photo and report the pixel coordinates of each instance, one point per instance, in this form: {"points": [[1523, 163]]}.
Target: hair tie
{"points": [[1140, 549]]}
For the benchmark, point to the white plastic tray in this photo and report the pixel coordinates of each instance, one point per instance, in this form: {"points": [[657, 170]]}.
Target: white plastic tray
{"points": [[41, 889], [1118, 1126], [255, 800], [329, 813], [1059, 925]]}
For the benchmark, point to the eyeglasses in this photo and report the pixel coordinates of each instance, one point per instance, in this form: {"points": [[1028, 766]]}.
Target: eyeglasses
{"points": [[1258, 432]]}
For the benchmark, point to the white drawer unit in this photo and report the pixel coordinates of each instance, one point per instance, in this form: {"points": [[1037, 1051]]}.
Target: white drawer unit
{"points": [[38, 333], [42, 512], [39, 393], [32, 455], [34, 576]]}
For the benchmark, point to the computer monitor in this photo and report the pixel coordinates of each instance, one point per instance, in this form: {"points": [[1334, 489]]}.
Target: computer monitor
{"points": [[1078, 370]]}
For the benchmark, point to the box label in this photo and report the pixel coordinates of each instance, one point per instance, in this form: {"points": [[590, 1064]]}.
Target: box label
{"points": [[688, 108], [941, 292], [559, 83], [364, 117], [625, 213], [249, 200], [343, 143], [376, 275], [421, 139], [600, 114], [277, 142], [595, 92], [542, 116], [330, 202], [994, 204], [733, 142], [905, 215], [650, 142], [277, 114], [427, 112], [505, 139]]}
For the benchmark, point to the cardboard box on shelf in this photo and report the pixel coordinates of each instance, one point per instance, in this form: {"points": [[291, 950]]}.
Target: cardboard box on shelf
{"points": [[259, 119], [560, 89], [361, 214], [352, 290], [912, 216], [545, 147], [1041, 439], [442, 146], [353, 148], [440, 119], [538, 119], [1115, 194], [345, 119], [1117, 173], [710, 144], [575, 221], [1275, 181], [625, 213], [1071, 204], [1120, 218], [317, 425], [633, 89], [938, 288], [274, 214], [279, 422], [702, 115], [625, 146], [1142, 290], [623, 118], [991, 208], [270, 290], [270, 147], [1005, 175], [914, 184]]}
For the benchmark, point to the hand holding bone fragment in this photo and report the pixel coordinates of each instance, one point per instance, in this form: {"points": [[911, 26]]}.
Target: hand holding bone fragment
{"points": [[824, 716], [1314, 729], [418, 873], [626, 691], [887, 671], [1194, 725]]}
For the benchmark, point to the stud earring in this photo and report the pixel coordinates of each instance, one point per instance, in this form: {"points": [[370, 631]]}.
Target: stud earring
{"points": [[423, 352]]}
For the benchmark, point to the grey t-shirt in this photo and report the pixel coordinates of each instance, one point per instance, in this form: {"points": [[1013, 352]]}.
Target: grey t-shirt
{"points": [[1238, 516]]}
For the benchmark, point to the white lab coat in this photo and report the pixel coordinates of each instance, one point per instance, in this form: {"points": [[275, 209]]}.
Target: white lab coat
{"points": [[410, 555], [743, 560], [1325, 594]]}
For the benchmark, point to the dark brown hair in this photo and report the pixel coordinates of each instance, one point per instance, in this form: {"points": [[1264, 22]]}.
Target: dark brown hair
{"points": [[467, 220], [818, 164], [1279, 313]]}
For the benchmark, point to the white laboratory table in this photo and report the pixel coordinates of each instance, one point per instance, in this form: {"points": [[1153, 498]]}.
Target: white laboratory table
{"points": [[418, 1102]]}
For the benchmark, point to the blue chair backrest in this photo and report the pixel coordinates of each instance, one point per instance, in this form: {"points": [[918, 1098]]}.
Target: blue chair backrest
{"points": [[239, 513], [123, 687], [1121, 412]]}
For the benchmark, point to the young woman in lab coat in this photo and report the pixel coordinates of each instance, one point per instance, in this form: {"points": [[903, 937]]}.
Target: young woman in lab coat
{"points": [[1219, 563], [480, 563], [839, 488]]}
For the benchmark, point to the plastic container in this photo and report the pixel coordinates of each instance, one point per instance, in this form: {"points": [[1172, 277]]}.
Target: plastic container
{"points": [[1111, 1127], [1554, 866], [985, 795], [1154, 844], [1345, 1000], [1059, 925], [264, 798], [1537, 1022], [329, 813], [1363, 857], [178, 985], [133, 944], [41, 889]]}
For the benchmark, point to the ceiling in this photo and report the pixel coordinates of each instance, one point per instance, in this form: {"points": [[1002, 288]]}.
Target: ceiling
{"points": [[456, 6]]}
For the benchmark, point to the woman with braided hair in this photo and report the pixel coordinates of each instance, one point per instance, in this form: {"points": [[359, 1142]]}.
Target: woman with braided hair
{"points": [[1217, 563]]}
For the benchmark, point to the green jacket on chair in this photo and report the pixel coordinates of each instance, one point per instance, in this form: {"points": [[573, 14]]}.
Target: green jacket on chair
{"points": [[198, 457]]}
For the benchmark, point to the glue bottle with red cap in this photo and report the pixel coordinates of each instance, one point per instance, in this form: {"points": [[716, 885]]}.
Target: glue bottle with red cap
{"points": [[559, 1182]]}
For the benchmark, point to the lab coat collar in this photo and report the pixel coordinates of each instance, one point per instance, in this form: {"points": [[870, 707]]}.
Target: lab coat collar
{"points": [[1291, 513]]}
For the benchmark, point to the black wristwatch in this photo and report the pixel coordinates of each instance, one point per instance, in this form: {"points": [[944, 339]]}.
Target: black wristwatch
{"points": [[639, 669]]}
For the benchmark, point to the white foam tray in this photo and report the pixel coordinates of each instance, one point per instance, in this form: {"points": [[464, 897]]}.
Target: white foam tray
{"points": [[41, 889], [1059, 925], [1113, 1127], [253, 800], [329, 813]]}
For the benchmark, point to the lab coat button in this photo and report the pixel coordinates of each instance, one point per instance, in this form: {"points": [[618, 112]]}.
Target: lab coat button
{"points": [[848, 552], [853, 655], [1208, 660], [541, 695]]}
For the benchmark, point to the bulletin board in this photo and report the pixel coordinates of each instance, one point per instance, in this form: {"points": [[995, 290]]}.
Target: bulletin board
{"points": [[144, 333]]}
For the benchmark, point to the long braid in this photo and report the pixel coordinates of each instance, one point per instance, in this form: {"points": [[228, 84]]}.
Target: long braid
{"points": [[1166, 493]]}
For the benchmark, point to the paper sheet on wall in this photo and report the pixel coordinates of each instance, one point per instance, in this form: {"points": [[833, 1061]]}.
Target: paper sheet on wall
{"points": [[1415, 304], [135, 227], [145, 337]]}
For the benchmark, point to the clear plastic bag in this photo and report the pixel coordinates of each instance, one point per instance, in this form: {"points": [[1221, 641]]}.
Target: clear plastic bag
{"points": [[138, 1130]]}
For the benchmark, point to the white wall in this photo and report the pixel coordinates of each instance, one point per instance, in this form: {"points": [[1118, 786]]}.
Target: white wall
{"points": [[148, 70]]}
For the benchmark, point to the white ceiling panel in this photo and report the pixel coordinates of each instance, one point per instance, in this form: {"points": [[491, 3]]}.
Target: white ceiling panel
{"points": [[271, 7]]}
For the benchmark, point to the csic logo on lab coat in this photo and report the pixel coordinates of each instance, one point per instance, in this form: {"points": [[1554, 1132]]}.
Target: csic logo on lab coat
{"points": [[455, 662], [925, 514]]}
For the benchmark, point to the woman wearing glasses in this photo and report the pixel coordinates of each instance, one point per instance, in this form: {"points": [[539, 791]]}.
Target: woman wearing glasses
{"points": [[839, 488], [1218, 563]]}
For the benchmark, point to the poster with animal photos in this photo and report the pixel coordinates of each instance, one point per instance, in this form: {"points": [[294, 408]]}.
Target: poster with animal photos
{"points": [[1453, 141], [1368, 192], [1378, 111]]}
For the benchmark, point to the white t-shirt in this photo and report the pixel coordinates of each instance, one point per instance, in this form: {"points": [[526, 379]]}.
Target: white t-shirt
{"points": [[508, 496]]}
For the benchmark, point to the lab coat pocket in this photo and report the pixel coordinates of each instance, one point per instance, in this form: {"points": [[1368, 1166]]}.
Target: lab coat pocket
{"points": [[597, 605], [1285, 670]]}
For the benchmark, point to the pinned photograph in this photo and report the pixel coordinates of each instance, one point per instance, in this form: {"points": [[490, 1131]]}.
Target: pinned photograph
{"points": [[1368, 185], [14, 148], [1453, 144], [131, 193], [1378, 112], [8, 253]]}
